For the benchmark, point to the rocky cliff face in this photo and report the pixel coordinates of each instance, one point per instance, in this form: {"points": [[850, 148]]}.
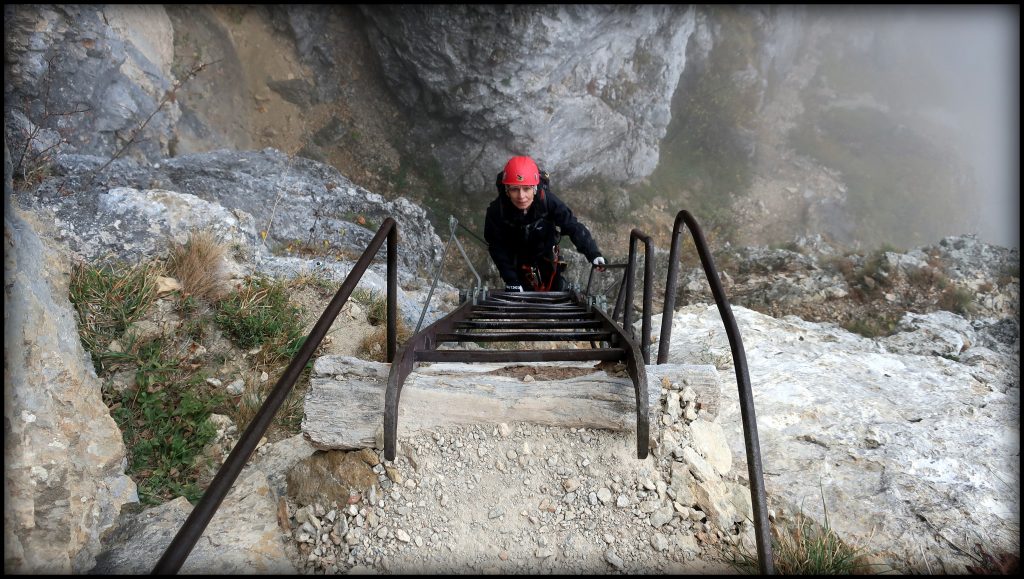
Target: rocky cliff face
{"points": [[584, 89], [87, 77], [763, 113]]}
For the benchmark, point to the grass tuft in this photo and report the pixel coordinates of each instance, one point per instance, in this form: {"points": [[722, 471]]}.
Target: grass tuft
{"points": [[376, 305], [199, 265], [109, 298], [258, 312], [958, 300], [374, 347], [289, 415], [803, 547]]}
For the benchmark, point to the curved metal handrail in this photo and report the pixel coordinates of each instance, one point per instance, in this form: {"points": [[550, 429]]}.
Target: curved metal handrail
{"points": [[185, 540], [627, 318], [739, 358]]}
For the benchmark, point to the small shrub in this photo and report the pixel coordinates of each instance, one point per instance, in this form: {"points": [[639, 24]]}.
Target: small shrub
{"points": [[374, 347], [288, 417], [872, 327], [926, 278], [957, 300], [1008, 273], [846, 267], [876, 268], [198, 264], [316, 281], [109, 298], [258, 311], [196, 328]]}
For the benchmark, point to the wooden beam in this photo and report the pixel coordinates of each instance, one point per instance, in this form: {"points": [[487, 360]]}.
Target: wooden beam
{"points": [[344, 407]]}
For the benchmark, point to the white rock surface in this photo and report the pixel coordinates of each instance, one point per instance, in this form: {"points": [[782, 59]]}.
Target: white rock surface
{"points": [[913, 453]]}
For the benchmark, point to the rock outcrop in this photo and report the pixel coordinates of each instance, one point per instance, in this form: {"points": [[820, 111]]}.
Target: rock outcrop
{"points": [[537, 79], [913, 454], [817, 281], [131, 211], [64, 459], [243, 538], [100, 70]]}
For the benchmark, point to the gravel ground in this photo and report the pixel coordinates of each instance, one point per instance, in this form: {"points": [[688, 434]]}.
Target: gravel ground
{"points": [[511, 498]]}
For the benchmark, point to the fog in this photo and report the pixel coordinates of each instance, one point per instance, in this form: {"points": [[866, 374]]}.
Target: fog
{"points": [[975, 50]]}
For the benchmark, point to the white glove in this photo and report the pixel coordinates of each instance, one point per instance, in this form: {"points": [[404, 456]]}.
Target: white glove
{"points": [[599, 262]]}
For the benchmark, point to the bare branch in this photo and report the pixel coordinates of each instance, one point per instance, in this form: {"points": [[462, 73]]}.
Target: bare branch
{"points": [[169, 96]]}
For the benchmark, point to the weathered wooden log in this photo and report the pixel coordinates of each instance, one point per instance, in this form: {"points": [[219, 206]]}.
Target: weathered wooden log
{"points": [[344, 407]]}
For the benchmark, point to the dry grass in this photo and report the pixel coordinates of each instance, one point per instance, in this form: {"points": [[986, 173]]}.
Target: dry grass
{"points": [[806, 548], [802, 546], [374, 347], [199, 265], [109, 298], [958, 300]]}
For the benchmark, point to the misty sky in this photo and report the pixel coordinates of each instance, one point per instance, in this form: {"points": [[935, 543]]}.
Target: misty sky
{"points": [[978, 48]]}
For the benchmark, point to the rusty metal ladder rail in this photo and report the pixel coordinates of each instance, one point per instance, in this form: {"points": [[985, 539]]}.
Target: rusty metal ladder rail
{"points": [[519, 317], [739, 358]]}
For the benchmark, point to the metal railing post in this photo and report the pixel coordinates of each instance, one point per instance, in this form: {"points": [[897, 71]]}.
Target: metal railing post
{"points": [[627, 320], [433, 284], [452, 223], [392, 296], [627, 315], [739, 358], [669, 305]]}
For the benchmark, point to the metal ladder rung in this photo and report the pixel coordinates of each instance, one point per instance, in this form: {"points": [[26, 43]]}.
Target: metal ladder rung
{"points": [[528, 307], [528, 316], [597, 354], [529, 324], [525, 337]]}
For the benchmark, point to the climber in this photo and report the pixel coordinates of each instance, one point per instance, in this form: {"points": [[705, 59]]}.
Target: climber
{"points": [[524, 226]]}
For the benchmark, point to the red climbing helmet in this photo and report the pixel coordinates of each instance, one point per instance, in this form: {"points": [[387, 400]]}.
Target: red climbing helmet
{"points": [[520, 171]]}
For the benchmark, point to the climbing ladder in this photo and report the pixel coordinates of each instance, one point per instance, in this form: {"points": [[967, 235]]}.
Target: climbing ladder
{"points": [[520, 318], [494, 316]]}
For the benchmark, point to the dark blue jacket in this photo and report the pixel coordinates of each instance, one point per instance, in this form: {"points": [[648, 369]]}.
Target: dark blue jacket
{"points": [[515, 238]]}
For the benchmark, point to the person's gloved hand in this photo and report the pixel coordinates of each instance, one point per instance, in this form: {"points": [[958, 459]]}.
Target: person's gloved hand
{"points": [[513, 288], [599, 262]]}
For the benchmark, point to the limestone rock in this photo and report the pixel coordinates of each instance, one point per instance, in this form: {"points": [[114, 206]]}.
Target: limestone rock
{"points": [[604, 75], [898, 443], [64, 459], [242, 538], [330, 476]]}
